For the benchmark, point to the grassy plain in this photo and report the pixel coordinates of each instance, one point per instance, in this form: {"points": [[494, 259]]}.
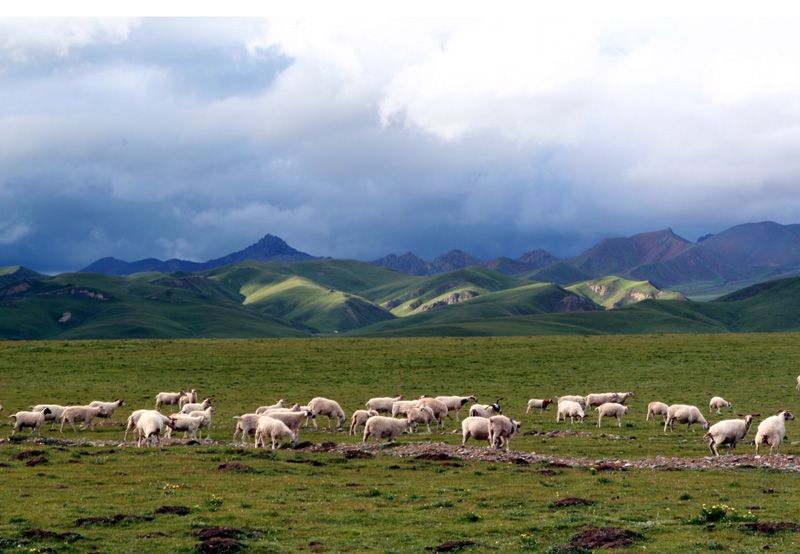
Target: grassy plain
{"points": [[305, 502]]}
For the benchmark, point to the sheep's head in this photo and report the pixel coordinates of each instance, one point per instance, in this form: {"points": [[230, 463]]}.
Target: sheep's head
{"points": [[787, 415]]}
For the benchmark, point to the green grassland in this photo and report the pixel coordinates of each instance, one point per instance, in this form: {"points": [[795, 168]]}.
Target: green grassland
{"points": [[298, 501]]}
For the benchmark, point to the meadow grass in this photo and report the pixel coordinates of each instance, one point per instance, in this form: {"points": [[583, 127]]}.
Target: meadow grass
{"points": [[323, 502]]}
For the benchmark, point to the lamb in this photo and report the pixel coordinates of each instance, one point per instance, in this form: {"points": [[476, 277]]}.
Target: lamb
{"points": [[485, 410], [570, 409], [401, 407], [206, 424], [194, 407], [191, 396], [423, 414], [718, 402], [383, 404], [474, 428], [279, 405], [596, 399], [501, 429], [683, 413], [327, 407], [385, 427], [455, 403], [656, 408], [150, 425], [291, 419], [611, 409], [85, 414], [246, 425], [772, 430], [573, 398], [107, 409], [170, 398], [360, 418], [534, 403], [271, 428], [186, 423], [34, 420], [728, 431], [439, 409]]}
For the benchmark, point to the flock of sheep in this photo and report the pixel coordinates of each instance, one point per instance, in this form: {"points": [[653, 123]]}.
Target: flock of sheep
{"points": [[484, 422]]}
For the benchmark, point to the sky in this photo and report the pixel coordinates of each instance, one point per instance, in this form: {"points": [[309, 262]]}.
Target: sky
{"points": [[356, 133]]}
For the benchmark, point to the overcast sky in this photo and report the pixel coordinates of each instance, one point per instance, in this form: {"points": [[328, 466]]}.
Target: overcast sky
{"points": [[360, 136]]}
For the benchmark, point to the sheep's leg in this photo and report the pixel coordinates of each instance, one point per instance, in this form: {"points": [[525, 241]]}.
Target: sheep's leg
{"points": [[619, 422]]}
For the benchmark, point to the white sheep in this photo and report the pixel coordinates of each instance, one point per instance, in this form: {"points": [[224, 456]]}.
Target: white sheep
{"points": [[718, 402], [382, 404], [455, 403], [623, 396], [485, 410], [539, 403], [196, 407], [611, 409], [186, 423], [149, 427], [501, 429], [422, 415], [191, 396], [474, 428], [728, 431], [85, 414], [34, 420], [401, 407], [271, 428], [327, 407], [246, 425], [595, 399], [798, 382], [133, 419], [206, 424], [279, 405], [56, 411], [171, 398], [772, 430], [360, 418], [291, 419], [570, 409], [385, 427], [572, 398], [656, 408], [438, 407], [107, 409], [683, 413]]}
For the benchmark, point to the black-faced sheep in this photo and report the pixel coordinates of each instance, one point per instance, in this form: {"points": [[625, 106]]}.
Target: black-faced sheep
{"points": [[485, 410], [34, 420]]}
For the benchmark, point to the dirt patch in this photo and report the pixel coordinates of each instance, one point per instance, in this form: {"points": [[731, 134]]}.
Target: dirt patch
{"points": [[34, 533], [572, 501], [314, 463], [451, 546], [29, 454], [357, 455], [605, 537], [220, 546], [111, 520], [610, 466], [208, 533], [36, 461], [770, 528], [434, 456], [177, 510], [236, 467]]}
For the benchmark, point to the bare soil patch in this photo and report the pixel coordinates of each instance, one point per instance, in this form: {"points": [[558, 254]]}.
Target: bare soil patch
{"points": [[770, 528], [605, 537], [451, 546], [572, 501]]}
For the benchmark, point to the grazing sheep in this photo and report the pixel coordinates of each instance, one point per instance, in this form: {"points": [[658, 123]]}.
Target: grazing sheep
{"points": [[656, 408], [195, 407], [133, 419], [186, 423], [383, 404], [683, 413], [623, 396], [718, 402], [401, 407], [34, 420], [772, 430], [423, 414], [474, 428], [291, 419], [385, 427], [360, 418], [534, 403], [596, 399], [206, 424], [191, 396], [246, 426], [273, 429], [572, 398], [501, 429], [570, 409], [728, 431], [455, 403], [611, 409], [149, 427], [107, 409], [327, 407], [85, 414], [439, 409], [170, 398], [485, 410], [279, 405]]}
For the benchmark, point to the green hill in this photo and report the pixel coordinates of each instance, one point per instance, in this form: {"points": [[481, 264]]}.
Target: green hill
{"points": [[613, 292]]}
